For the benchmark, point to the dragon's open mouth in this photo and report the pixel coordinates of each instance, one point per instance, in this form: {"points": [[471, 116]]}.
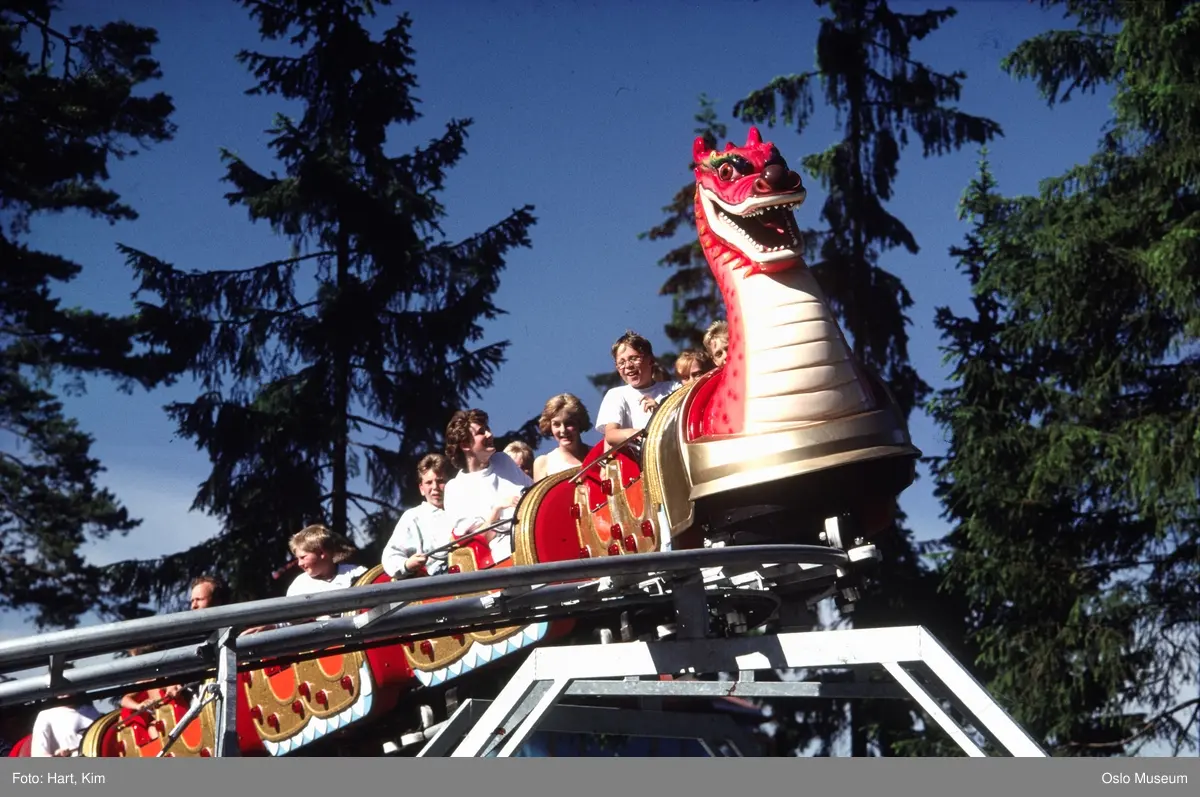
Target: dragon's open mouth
{"points": [[764, 231]]}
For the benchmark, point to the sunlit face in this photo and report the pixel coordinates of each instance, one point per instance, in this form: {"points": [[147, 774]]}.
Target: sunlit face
{"points": [[719, 350], [694, 372], [433, 487], [202, 595], [482, 445], [635, 369], [317, 564], [564, 430]]}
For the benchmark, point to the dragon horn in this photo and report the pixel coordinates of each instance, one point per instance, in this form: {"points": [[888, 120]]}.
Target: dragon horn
{"points": [[753, 137], [699, 150]]}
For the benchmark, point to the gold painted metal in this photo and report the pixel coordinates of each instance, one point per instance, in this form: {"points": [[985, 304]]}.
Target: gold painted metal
{"points": [[205, 722], [722, 464], [450, 648], [265, 691], [524, 546], [94, 735], [368, 578], [314, 672], [665, 472], [465, 559]]}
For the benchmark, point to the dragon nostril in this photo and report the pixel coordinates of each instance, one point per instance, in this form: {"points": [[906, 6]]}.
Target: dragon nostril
{"points": [[775, 175]]}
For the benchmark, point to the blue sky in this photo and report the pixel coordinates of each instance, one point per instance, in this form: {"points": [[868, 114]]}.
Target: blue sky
{"points": [[582, 109]]}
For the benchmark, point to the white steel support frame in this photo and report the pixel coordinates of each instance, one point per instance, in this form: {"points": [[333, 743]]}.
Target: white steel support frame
{"points": [[718, 734], [906, 652]]}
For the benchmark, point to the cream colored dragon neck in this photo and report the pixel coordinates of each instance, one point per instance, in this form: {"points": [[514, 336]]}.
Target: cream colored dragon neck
{"points": [[788, 363], [798, 368]]}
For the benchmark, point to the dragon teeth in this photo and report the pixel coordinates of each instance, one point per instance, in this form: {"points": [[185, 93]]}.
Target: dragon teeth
{"points": [[729, 222]]}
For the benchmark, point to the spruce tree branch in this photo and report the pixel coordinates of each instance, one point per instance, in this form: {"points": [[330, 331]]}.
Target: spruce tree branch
{"points": [[352, 496], [369, 499], [1148, 726], [21, 563], [10, 506], [385, 372], [22, 464], [374, 424], [261, 267], [241, 322], [907, 60], [354, 500], [47, 33]]}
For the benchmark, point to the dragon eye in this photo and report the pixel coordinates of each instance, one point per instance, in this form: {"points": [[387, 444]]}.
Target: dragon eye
{"points": [[726, 172]]}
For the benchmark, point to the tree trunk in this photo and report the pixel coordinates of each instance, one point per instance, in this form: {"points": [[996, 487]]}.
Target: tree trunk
{"points": [[341, 394], [858, 734]]}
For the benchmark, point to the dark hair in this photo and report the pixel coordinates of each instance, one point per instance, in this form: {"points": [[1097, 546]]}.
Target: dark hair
{"points": [[458, 434], [642, 346], [634, 341]]}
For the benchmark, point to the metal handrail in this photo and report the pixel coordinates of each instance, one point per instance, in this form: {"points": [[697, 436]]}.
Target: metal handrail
{"points": [[280, 646], [198, 624], [609, 456]]}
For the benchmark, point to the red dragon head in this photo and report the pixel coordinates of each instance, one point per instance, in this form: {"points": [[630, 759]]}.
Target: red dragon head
{"points": [[747, 195]]}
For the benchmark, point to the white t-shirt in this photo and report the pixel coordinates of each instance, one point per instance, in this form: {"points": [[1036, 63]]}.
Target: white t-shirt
{"points": [[60, 728], [623, 405], [421, 529], [470, 498], [304, 584]]}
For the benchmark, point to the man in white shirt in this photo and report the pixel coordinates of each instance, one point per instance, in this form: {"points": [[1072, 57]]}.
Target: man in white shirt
{"points": [[58, 731], [423, 528], [489, 483]]}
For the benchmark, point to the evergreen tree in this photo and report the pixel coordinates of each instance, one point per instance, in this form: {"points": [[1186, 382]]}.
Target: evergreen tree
{"points": [[308, 389], [882, 96], [972, 347], [1075, 427], [69, 105]]}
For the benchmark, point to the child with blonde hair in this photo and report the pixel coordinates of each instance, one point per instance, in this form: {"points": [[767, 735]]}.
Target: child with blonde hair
{"points": [[716, 342], [563, 418], [521, 453], [626, 409], [692, 364], [321, 555]]}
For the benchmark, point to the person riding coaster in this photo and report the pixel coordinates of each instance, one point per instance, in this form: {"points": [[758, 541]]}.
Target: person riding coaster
{"points": [[789, 432]]}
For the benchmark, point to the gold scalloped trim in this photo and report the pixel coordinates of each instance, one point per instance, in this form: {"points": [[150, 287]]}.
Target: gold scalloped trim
{"points": [[94, 735], [524, 547]]}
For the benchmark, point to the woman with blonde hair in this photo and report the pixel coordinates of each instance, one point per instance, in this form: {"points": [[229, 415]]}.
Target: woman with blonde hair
{"points": [[564, 418]]}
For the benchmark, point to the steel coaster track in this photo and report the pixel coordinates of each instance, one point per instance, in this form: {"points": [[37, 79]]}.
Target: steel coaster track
{"points": [[519, 594]]}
